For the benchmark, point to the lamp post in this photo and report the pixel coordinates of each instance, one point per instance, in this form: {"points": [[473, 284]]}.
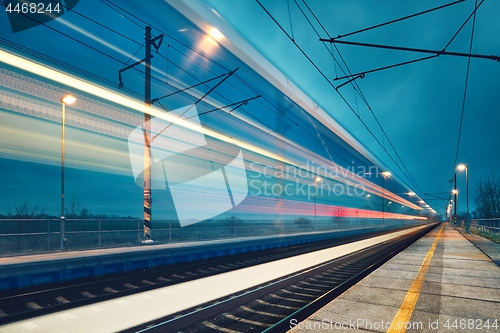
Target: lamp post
{"points": [[465, 167], [316, 180], [66, 99], [385, 175], [455, 193]]}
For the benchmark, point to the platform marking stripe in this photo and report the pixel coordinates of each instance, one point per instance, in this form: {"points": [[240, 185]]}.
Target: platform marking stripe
{"points": [[405, 311]]}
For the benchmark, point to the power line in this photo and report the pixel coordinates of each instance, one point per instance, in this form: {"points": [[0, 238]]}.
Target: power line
{"points": [[409, 176], [65, 66], [324, 76], [166, 34], [399, 19], [386, 67], [412, 49], [137, 94], [355, 85], [100, 24], [128, 18], [211, 60], [275, 110], [465, 88], [463, 24]]}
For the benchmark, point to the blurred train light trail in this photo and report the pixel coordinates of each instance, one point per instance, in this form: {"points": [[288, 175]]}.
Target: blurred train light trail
{"points": [[116, 122]]}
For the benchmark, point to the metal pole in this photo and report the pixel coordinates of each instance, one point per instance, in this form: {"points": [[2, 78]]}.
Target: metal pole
{"points": [[315, 191], [48, 235], [62, 222], [467, 196], [383, 208], [455, 198], [147, 138]]}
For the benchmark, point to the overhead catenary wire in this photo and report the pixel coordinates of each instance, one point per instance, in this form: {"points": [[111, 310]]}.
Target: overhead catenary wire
{"points": [[95, 22], [400, 19], [211, 60], [329, 82], [127, 13], [140, 95], [128, 38], [355, 84], [465, 90], [77, 40], [274, 108], [477, 6], [133, 55], [97, 50], [93, 48], [409, 176], [463, 24], [444, 52], [413, 49], [386, 67], [107, 3], [65, 66]]}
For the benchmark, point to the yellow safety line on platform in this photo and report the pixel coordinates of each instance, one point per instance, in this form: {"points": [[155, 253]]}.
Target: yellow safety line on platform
{"points": [[402, 318]]}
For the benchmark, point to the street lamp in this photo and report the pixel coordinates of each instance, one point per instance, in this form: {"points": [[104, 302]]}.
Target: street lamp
{"points": [[316, 180], [465, 167], [66, 99]]}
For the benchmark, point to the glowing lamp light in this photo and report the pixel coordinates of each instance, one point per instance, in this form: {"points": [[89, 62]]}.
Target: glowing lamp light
{"points": [[317, 179], [454, 191], [68, 99], [461, 167], [216, 34], [386, 174], [411, 193], [368, 195]]}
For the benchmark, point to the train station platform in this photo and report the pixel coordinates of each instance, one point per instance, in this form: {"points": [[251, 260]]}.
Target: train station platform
{"points": [[443, 282], [24, 271]]}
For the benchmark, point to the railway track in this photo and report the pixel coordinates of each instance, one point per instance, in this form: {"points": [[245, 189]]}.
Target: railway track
{"points": [[17, 305], [271, 307]]}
